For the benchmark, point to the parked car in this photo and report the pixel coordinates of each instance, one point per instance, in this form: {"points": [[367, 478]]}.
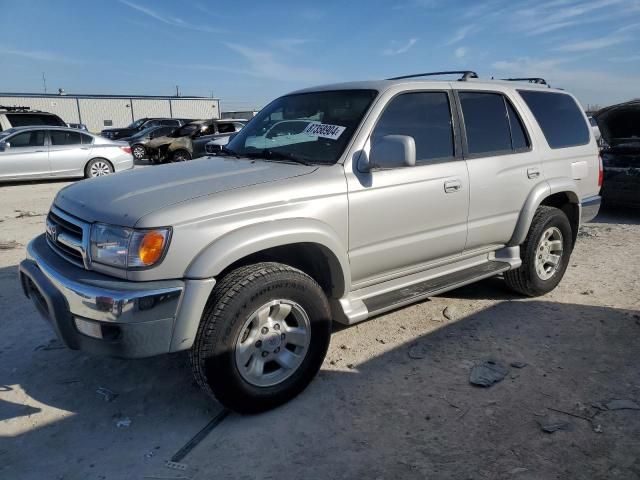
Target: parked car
{"points": [[37, 152], [189, 141], [404, 188], [620, 127], [11, 117], [79, 126], [141, 124], [140, 139]]}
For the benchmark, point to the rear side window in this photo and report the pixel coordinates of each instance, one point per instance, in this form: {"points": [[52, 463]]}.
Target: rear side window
{"points": [[26, 119], [559, 117], [61, 137], [519, 139], [425, 116], [486, 122], [226, 128]]}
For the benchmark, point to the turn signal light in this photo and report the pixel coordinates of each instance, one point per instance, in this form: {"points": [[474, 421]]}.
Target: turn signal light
{"points": [[151, 248]]}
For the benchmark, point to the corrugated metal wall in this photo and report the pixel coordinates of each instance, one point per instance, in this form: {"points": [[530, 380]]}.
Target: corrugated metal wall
{"points": [[195, 109], [65, 108], [150, 108], [96, 111]]}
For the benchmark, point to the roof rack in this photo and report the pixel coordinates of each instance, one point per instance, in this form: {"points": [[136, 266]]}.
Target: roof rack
{"points": [[537, 80], [14, 109], [466, 75]]}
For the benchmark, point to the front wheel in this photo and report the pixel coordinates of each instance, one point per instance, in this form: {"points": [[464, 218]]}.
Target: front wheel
{"points": [[98, 167], [262, 338], [545, 254], [180, 156]]}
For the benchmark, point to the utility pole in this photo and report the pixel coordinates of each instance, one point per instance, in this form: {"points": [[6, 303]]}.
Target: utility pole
{"points": [[44, 82], [177, 90]]}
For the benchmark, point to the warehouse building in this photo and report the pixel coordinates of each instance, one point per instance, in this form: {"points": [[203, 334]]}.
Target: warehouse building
{"points": [[103, 111]]}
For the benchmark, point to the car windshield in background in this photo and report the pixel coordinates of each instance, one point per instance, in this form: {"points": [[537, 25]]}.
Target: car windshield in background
{"points": [[144, 132], [307, 127], [137, 123], [27, 119], [187, 130]]}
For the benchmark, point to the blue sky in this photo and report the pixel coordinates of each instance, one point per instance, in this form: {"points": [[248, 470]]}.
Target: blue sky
{"points": [[248, 52]]}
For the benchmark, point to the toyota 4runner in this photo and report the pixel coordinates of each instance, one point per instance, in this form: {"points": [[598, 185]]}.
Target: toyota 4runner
{"points": [[389, 192]]}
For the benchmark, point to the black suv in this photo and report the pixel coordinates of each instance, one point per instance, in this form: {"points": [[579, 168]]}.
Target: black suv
{"points": [[141, 124], [11, 117]]}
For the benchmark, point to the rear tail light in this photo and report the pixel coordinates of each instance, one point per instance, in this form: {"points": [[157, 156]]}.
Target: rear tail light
{"points": [[600, 171], [126, 150]]}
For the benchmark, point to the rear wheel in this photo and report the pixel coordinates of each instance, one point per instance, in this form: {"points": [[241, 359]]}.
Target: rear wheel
{"points": [[139, 152], [98, 167], [545, 254], [180, 156], [262, 338]]}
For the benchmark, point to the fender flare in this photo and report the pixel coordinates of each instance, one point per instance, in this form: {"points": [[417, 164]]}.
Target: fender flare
{"points": [[539, 193], [240, 243]]}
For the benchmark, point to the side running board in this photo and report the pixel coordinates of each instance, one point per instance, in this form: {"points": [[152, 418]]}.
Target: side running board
{"points": [[419, 291]]}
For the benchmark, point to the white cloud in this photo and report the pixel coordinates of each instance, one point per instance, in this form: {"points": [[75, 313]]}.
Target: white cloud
{"points": [[40, 55], [290, 45], [462, 33], [460, 52], [593, 44], [168, 19], [399, 49], [265, 64]]}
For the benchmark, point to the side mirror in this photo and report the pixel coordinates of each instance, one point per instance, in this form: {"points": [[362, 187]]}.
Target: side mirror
{"points": [[4, 146], [392, 151]]}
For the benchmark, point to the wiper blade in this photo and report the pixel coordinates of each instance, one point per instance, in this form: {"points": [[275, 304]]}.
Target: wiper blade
{"points": [[268, 154]]}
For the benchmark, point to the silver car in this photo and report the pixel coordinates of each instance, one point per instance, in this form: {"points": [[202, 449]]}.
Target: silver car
{"points": [[49, 152]]}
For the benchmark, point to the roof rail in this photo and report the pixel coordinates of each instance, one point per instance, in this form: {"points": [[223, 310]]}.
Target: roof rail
{"points": [[537, 80], [466, 75], [14, 109]]}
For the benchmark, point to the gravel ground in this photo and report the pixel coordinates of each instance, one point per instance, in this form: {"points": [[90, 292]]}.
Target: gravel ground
{"points": [[393, 399]]}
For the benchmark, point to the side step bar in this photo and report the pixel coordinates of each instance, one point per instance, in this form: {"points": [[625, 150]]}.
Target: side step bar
{"points": [[419, 291], [356, 310]]}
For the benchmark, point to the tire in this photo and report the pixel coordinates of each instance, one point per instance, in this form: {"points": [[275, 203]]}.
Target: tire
{"points": [[180, 156], [544, 260], [231, 341], [138, 151], [98, 167]]}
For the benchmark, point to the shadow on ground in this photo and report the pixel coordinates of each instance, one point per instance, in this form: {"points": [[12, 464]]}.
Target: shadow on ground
{"points": [[391, 416]]}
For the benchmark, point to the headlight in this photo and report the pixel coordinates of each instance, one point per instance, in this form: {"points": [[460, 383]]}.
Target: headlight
{"points": [[128, 248]]}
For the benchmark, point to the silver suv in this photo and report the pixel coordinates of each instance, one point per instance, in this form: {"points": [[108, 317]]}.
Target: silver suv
{"points": [[389, 192]]}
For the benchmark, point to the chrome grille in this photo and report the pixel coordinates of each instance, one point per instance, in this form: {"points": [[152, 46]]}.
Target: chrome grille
{"points": [[68, 237]]}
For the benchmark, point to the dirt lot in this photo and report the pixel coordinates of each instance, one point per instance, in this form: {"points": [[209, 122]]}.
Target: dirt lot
{"points": [[393, 399]]}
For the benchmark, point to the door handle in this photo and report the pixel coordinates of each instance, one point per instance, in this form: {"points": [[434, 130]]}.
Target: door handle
{"points": [[533, 172], [451, 186], [40, 151]]}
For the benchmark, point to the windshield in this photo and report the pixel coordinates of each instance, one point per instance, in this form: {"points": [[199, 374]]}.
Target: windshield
{"points": [[144, 132], [137, 123], [6, 133], [308, 127]]}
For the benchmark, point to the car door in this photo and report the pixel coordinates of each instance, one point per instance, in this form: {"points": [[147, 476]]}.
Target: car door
{"points": [[503, 169], [68, 152], [402, 219], [25, 156]]}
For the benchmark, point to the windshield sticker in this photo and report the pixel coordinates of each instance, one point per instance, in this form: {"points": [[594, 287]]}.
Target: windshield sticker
{"points": [[324, 130]]}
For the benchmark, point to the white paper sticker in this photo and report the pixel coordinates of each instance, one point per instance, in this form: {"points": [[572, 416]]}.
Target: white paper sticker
{"points": [[324, 130]]}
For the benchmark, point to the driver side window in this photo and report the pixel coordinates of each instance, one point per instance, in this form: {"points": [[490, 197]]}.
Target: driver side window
{"points": [[424, 116]]}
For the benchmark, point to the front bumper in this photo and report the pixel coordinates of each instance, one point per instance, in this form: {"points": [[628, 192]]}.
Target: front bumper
{"points": [[99, 314], [589, 208]]}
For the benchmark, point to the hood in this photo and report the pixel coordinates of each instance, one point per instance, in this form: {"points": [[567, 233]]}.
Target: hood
{"points": [[620, 124], [126, 197]]}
